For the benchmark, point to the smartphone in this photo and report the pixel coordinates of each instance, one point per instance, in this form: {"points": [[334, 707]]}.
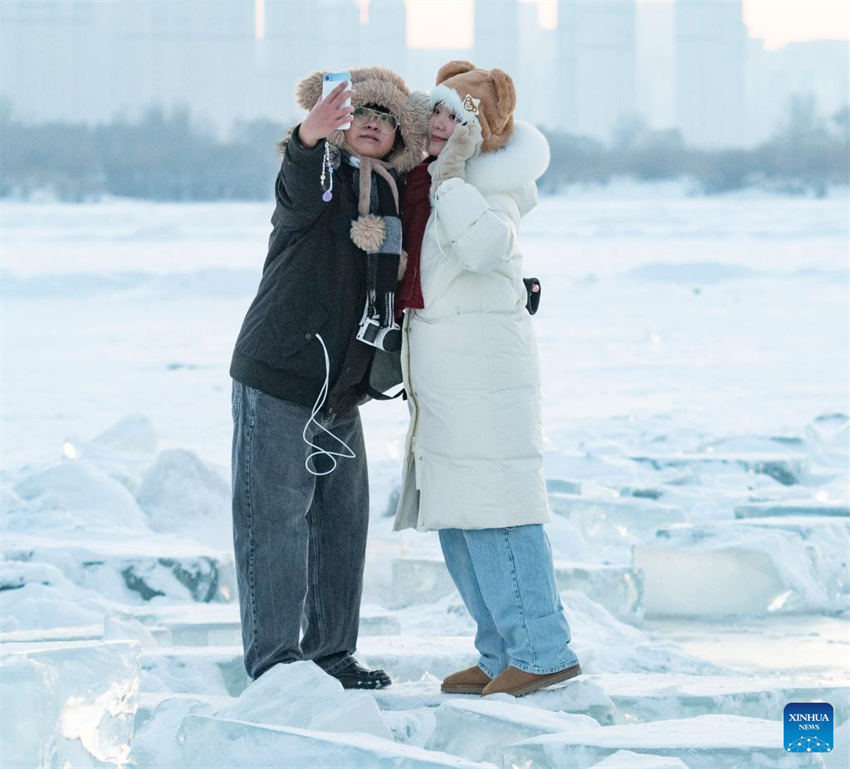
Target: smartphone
{"points": [[330, 81]]}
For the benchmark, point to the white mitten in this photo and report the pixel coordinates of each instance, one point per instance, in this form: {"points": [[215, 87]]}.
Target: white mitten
{"points": [[451, 162]]}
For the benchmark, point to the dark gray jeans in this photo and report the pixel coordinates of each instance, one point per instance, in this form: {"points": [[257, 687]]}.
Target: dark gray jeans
{"points": [[300, 540]]}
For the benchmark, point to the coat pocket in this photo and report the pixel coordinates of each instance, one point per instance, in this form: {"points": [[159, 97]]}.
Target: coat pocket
{"points": [[298, 330]]}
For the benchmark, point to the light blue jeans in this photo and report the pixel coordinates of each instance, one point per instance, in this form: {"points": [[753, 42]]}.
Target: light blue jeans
{"points": [[507, 581]]}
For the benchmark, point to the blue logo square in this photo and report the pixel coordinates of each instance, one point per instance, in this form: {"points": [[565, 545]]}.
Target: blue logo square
{"points": [[808, 727]]}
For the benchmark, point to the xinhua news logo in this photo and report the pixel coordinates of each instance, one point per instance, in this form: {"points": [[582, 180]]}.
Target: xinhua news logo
{"points": [[808, 727]]}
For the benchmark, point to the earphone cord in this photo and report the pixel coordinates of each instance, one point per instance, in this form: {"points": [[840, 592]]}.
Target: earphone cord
{"points": [[317, 407]]}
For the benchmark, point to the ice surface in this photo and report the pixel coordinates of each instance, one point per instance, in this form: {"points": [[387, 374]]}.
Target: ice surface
{"points": [[703, 742], [155, 744], [583, 696], [695, 295], [411, 727], [791, 646], [627, 759], [618, 588], [194, 670], [408, 658], [659, 696], [788, 564], [213, 743], [604, 644], [133, 434], [807, 507], [302, 695], [73, 495], [628, 517], [418, 580], [40, 596], [477, 728], [95, 687], [127, 629], [181, 494], [218, 624], [787, 470], [29, 714], [133, 569]]}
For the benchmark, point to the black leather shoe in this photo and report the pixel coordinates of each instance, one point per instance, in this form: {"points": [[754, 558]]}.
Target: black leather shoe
{"points": [[353, 676]]}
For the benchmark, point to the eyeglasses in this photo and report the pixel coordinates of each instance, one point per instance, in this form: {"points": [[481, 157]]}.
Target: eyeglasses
{"points": [[385, 121]]}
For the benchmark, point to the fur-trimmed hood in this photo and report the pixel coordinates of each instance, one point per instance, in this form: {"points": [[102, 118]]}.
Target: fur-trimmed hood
{"points": [[523, 159], [379, 85]]}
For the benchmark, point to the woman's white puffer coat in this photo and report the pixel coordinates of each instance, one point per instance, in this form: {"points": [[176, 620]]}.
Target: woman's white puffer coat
{"points": [[473, 455]]}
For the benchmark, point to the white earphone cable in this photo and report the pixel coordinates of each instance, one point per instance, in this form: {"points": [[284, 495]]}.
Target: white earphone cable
{"points": [[317, 407]]}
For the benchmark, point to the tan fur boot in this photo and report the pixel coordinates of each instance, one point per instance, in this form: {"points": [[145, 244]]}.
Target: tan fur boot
{"points": [[469, 681], [519, 683]]}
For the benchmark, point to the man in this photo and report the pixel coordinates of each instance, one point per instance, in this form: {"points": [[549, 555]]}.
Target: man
{"points": [[300, 485]]}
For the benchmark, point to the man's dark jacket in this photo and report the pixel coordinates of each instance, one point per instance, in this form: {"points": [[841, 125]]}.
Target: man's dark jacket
{"points": [[313, 282]]}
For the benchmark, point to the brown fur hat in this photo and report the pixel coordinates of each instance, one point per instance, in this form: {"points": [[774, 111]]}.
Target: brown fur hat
{"points": [[379, 85], [485, 96]]}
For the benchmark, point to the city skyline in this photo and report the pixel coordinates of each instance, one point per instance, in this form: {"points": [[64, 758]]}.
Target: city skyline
{"points": [[691, 66], [775, 22]]}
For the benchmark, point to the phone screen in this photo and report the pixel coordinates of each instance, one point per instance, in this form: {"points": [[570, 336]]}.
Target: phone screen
{"points": [[330, 81]]}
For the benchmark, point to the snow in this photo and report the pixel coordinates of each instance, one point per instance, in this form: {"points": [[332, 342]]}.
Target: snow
{"points": [[86, 692], [704, 742], [697, 434], [479, 729], [302, 695], [627, 759]]}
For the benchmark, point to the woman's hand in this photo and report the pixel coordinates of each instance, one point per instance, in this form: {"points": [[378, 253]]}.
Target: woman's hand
{"points": [[451, 162], [328, 115]]}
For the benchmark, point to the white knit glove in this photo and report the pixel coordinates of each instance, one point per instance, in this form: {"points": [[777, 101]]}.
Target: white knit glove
{"points": [[451, 162]]}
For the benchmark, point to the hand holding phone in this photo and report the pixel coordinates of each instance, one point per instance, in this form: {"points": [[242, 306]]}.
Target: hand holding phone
{"points": [[330, 113], [330, 81]]}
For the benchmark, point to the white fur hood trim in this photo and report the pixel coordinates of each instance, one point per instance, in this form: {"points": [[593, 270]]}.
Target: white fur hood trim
{"points": [[522, 160]]}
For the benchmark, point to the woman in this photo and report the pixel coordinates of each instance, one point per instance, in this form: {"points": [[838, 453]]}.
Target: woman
{"points": [[473, 460], [300, 509]]}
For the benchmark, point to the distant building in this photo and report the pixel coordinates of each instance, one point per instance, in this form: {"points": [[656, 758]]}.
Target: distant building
{"points": [[496, 41], [710, 49], [385, 35], [654, 72], [535, 75], [296, 41], [687, 65], [84, 60], [596, 58]]}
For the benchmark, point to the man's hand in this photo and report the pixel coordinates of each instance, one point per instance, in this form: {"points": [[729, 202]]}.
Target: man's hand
{"points": [[328, 115], [451, 162]]}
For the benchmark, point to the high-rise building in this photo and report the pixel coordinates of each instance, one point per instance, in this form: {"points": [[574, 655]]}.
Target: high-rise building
{"points": [[84, 60], [710, 50], [654, 82], [596, 62], [298, 39], [496, 34], [385, 35], [535, 76]]}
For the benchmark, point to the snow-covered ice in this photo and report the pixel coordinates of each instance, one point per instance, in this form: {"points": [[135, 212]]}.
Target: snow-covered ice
{"points": [[86, 692], [477, 728], [627, 759], [704, 742], [697, 439], [302, 695]]}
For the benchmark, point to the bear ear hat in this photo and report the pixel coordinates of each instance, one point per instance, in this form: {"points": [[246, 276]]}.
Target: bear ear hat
{"points": [[452, 68], [505, 99]]}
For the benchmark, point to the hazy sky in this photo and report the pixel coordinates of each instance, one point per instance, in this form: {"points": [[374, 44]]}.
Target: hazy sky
{"points": [[448, 23]]}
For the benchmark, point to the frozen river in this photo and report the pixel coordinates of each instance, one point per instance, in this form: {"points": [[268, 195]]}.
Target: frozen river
{"points": [[696, 354]]}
